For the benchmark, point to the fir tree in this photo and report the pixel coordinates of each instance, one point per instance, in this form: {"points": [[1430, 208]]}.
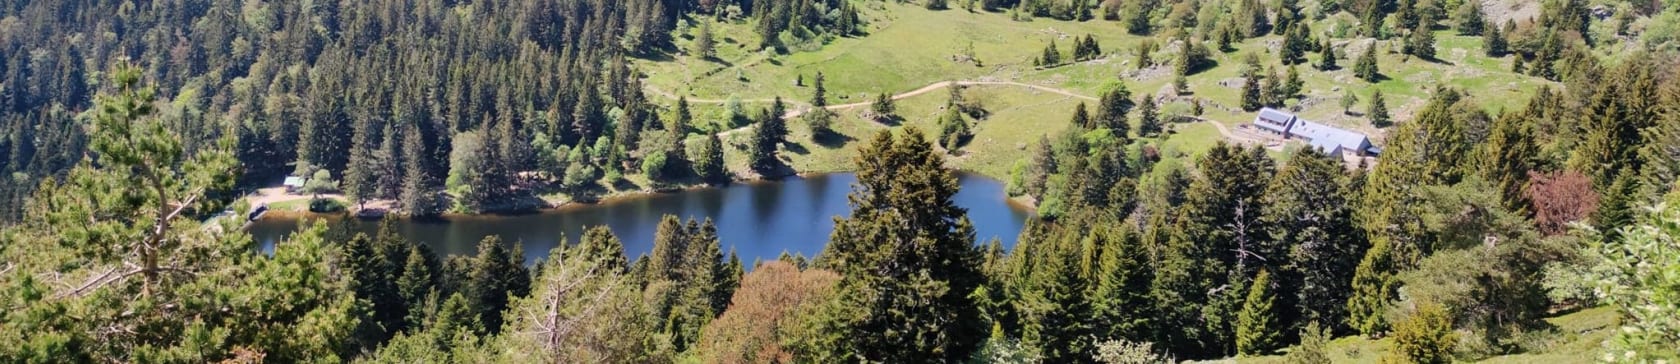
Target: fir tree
{"points": [[1149, 124], [1257, 324], [1051, 57], [496, 274], [1494, 43], [1507, 158], [1377, 111], [1122, 284], [1421, 43], [1112, 110], [906, 258], [1366, 67], [819, 95], [1252, 95], [704, 46], [1327, 57], [1374, 285], [1081, 118]]}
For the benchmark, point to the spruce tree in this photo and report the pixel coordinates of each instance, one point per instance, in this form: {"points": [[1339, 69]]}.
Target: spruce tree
{"points": [[704, 46], [1257, 324], [1149, 124], [1112, 110], [1313, 242], [819, 95], [1081, 118], [1271, 89], [1051, 57], [415, 285], [1366, 67], [1468, 18], [708, 160], [1661, 155], [906, 258], [1494, 43], [1122, 285], [1054, 309], [419, 194], [1327, 57], [1252, 97], [1374, 285], [496, 274], [1508, 157], [1377, 110], [1421, 43]]}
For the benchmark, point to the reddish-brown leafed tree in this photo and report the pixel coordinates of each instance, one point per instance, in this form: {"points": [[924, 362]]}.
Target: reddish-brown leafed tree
{"points": [[1560, 198], [759, 315]]}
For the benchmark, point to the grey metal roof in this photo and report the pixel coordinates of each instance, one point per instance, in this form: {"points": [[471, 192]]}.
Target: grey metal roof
{"points": [[1320, 136]]}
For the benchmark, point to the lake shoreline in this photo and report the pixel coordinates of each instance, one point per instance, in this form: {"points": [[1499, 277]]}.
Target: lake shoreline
{"points": [[562, 205]]}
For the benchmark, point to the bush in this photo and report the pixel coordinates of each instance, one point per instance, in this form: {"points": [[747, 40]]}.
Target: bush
{"points": [[1121, 351], [1314, 348], [325, 205], [1425, 337], [1639, 275]]}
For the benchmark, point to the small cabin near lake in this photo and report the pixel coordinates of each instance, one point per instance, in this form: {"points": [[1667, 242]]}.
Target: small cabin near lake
{"points": [[1325, 138]]}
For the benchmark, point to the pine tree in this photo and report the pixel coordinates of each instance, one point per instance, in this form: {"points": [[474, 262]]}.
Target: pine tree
{"points": [[1494, 43], [1468, 19], [819, 95], [1149, 124], [1619, 206], [1291, 51], [1112, 110], [704, 45], [1081, 118], [1292, 84], [1371, 24], [1042, 167], [496, 274], [1054, 310], [1366, 67], [708, 160], [1374, 285], [1257, 324], [906, 258], [1327, 57], [1507, 157], [1252, 97], [1421, 43], [1377, 111]]}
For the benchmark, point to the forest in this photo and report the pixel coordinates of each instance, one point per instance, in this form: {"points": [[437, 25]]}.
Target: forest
{"points": [[129, 130]]}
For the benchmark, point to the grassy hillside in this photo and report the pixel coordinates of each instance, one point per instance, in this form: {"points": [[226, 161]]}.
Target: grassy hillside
{"points": [[909, 47]]}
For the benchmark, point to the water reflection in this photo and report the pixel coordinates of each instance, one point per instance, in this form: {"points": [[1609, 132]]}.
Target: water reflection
{"points": [[759, 220]]}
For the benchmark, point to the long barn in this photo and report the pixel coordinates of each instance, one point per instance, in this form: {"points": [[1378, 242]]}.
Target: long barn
{"points": [[1326, 138]]}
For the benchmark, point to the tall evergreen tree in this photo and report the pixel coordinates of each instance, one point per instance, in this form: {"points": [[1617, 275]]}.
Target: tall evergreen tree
{"points": [[906, 258], [708, 160], [1377, 111], [1327, 57], [1112, 110], [1252, 95], [1149, 124], [1494, 43], [819, 95], [1257, 324], [1121, 296], [1508, 157], [1314, 243], [1366, 67], [1420, 43], [497, 273]]}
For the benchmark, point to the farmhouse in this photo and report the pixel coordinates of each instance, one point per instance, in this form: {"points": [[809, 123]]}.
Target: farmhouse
{"points": [[1328, 139]]}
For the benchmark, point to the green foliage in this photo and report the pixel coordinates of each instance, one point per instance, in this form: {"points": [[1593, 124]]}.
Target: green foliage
{"points": [[708, 160], [1313, 348], [1366, 67], [1149, 123], [497, 274], [905, 259], [1637, 276], [1313, 239], [1425, 337], [1374, 286], [1253, 93], [1377, 111], [1420, 43], [1257, 324]]}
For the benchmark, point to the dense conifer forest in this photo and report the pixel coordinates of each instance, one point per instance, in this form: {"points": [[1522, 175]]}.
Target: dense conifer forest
{"points": [[131, 132]]}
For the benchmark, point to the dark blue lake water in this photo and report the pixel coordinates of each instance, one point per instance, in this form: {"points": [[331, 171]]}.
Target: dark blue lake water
{"points": [[759, 220]]}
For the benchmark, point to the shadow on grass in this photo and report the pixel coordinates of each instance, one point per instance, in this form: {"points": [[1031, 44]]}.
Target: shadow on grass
{"points": [[830, 139]]}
